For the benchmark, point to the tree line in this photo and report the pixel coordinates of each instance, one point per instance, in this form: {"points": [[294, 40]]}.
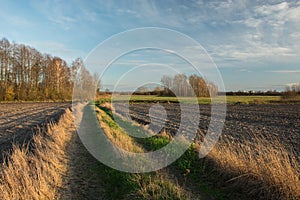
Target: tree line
{"points": [[27, 74], [179, 84], [291, 91]]}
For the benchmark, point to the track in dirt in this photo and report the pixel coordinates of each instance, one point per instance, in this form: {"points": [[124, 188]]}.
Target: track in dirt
{"points": [[273, 121], [19, 121]]}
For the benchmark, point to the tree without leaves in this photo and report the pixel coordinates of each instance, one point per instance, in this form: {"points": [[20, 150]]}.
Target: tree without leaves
{"points": [[292, 91], [167, 82], [182, 85]]}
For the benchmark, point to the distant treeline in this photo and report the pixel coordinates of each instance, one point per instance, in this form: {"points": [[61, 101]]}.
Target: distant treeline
{"points": [[181, 85], [253, 93], [26, 74], [202, 90], [289, 92]]}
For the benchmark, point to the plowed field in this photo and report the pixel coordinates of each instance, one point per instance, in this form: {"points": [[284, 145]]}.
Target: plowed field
{"points": [[19, 121]]}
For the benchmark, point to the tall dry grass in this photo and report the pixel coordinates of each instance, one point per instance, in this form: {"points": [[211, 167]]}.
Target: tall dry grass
{"points": [[263, 168], [37, 173], [115, 134]]}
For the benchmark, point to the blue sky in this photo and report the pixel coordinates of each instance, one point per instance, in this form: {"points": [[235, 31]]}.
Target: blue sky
{"points": [[255, 44]]}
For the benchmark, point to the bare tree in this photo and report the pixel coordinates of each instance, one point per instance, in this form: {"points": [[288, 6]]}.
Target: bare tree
{"points": [[167, 82], [183, 86], [180, 85]]}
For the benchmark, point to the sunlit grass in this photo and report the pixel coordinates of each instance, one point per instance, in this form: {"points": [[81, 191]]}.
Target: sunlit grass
{"points": [[37, 174], [201, 100], [155, 185]]}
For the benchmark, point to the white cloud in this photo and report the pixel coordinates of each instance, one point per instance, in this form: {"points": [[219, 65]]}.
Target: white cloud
{"points": [[263, 32], [293, 84], [252, 22], [271, 9], [242, 53], [294, 13], [245, 70]]}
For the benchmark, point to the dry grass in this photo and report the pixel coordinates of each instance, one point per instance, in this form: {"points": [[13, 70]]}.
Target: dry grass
{"points": [[118, 136], [150, 186], [263, 168], [37, 174], [159, 187]]}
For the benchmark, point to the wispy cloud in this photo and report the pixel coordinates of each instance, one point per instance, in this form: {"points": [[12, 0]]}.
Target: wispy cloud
{"points": [[271, 9], [245, 70], [57, 12], [62, 21], [286, 71], [292, 84], [251, 52]]}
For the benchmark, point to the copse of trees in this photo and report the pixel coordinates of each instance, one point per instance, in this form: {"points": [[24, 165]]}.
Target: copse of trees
{"points": [[26, 74], [179, 85], [292, 91]]}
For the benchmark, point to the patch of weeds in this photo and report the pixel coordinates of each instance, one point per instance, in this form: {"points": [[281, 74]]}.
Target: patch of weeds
{"points": [[159, 188], [154, 143], [117, 184], [200, 174], [186, 161]]}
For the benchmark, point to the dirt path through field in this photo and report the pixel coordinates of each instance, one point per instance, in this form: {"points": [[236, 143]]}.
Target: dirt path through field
{"points": [[81, 181], [171, 173]]}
